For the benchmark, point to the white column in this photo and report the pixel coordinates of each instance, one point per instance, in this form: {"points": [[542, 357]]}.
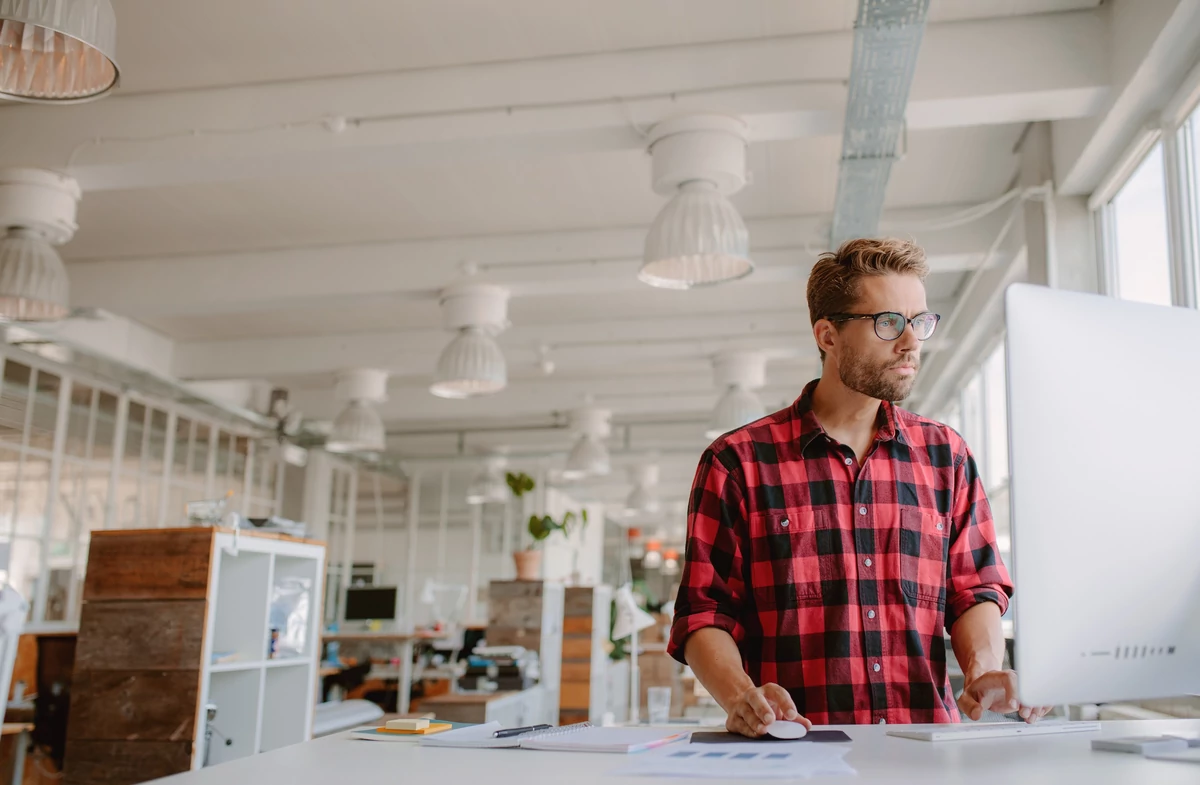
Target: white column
{"points": [[473, 577], [443, 524], [52, 488], [506, 538], [414, 522], [350, 487]]}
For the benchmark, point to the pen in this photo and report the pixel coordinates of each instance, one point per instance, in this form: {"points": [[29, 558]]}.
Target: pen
{"points": [[504, 733]]}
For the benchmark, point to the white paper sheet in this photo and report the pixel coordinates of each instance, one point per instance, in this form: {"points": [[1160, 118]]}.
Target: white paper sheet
{"points": [[741, 761]]}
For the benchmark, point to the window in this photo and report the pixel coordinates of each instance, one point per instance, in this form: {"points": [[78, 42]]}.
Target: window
{"points": [[995, 393], [1139, 226], [53, 496]]}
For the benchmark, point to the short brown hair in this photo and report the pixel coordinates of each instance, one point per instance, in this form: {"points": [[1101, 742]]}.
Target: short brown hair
{"points": [[833, 283]]}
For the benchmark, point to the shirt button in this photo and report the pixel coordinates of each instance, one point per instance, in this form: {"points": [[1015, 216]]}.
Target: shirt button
{"points": [[870, 614], [862, 510], [940, 526], [867, 562], [784, 522], [875, 667], [849, 461], [883, 722]]}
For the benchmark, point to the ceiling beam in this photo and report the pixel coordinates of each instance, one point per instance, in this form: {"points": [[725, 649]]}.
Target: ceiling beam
{"points": [[530, 265], [578, 348], [1154, 43], [1005, 70]]}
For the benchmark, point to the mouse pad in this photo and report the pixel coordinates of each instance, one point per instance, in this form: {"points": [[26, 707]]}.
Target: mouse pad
{"points": [[733, 738]]}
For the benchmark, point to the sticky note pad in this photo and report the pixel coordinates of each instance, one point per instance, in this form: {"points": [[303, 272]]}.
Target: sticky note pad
{"points": [[409, 724]]}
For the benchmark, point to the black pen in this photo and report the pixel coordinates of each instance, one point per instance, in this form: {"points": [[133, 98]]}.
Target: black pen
{"points": [[504, 733]]}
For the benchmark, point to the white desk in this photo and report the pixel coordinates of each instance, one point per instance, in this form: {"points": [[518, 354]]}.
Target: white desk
{"points": [[1044, 760]]}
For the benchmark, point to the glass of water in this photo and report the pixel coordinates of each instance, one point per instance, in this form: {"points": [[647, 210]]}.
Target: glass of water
{"points": [[658, 704]]}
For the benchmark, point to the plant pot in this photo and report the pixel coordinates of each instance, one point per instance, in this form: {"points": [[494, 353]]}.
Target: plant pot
{"points": [[528, 564]]}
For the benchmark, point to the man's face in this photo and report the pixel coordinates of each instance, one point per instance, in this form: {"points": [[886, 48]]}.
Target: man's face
{"points": [[867, 364]]}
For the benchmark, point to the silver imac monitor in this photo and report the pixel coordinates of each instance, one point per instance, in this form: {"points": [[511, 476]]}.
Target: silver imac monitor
{"points": [[1104, 452]]}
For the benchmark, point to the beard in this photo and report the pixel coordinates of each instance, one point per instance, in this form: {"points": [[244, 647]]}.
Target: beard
{"points": [[870, 378]]}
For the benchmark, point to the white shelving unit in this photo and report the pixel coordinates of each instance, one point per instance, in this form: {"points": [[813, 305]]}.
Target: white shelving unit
{"points": [[263, 703]]}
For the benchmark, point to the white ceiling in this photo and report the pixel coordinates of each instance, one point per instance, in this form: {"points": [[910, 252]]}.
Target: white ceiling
{"points": [[286, 254]]}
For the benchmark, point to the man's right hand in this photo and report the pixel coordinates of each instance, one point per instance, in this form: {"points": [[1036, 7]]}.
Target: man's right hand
{"points": [[757, 707]]}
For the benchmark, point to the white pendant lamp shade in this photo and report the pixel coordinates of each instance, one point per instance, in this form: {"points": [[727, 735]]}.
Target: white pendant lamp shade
{"points": [[737, 373], [472, 364], [57, 51], [643, 499], [37, 212], [488, 486], [588, 458], [357, 429], [737, 407], [33, 280], [698, 239]]}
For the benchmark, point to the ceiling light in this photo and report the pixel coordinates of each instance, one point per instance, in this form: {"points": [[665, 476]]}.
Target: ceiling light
{"points": [[643, 499], [698, 239], [472, 364], [37, 212], [589, 457], [489, 486], [738, 374], [359, 428], [57, 51]]}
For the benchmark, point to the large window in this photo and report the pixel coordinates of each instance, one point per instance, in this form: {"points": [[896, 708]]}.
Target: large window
{"points": [[79, 455], [1139, 229]]}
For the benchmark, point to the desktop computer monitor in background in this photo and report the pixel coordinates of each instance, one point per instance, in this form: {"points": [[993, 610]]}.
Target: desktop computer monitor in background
{"points": [[1104, 452], [371, 603]]}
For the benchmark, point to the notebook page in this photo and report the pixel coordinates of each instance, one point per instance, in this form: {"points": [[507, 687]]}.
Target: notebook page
{"points": [[478, 736]]}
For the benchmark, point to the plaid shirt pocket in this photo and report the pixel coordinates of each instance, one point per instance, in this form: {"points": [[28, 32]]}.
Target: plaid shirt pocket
{"points": [[924, 554], [787, 558]]}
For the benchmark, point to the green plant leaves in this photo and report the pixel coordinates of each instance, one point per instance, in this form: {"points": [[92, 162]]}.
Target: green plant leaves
{"points": [[519, 483]]}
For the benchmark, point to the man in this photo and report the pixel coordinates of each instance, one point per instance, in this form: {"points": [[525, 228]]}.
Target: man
{"points": [[829, 544]]}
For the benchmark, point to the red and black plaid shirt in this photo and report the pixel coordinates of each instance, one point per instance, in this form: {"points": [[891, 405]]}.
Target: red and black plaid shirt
{"points": [[837, 580]]}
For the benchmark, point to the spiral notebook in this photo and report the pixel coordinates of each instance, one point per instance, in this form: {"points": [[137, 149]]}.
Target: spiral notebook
{"points": [[580, 737]]}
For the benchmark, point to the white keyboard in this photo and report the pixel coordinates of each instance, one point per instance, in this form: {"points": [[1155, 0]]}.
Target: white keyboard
{"points": [[993, 730]]}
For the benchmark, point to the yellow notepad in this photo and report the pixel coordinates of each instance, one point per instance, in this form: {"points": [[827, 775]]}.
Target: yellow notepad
{"points": [[434, 727]]}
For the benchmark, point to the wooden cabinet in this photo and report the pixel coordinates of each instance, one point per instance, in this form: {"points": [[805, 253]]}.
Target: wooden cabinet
{"points": [[160, 608]]}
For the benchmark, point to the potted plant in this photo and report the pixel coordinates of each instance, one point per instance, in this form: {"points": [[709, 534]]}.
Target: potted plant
{"points": [[529, 561]]}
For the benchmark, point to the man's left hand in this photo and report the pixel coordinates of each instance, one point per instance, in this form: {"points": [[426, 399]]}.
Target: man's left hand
{"points": [[997, 691]]}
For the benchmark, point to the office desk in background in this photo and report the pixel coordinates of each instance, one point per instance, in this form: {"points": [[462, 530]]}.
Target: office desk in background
{"points": [[401, 644], [1039, 760]]}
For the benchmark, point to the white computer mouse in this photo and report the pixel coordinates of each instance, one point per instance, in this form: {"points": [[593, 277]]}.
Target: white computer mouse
{"points": [[786, 729]]}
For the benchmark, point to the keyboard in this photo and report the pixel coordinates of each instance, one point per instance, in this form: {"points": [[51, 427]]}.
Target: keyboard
{"points": [[997, 730]]}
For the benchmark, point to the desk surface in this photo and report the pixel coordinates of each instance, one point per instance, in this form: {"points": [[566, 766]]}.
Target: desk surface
{"points": [[1036, 760]]}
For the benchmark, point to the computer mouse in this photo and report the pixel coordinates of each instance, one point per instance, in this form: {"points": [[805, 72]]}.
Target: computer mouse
{"points": [[786, 729]]}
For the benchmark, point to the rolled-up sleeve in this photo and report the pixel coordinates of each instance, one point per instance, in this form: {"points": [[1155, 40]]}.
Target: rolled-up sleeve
{"points": [[712, 589], [974, 571]]}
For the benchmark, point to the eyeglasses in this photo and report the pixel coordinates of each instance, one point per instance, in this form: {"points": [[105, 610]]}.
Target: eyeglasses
{"points": [[889, 325]]}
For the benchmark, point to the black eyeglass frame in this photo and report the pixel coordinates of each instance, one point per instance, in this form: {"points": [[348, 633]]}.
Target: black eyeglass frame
{"points": [[875, 317]]}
